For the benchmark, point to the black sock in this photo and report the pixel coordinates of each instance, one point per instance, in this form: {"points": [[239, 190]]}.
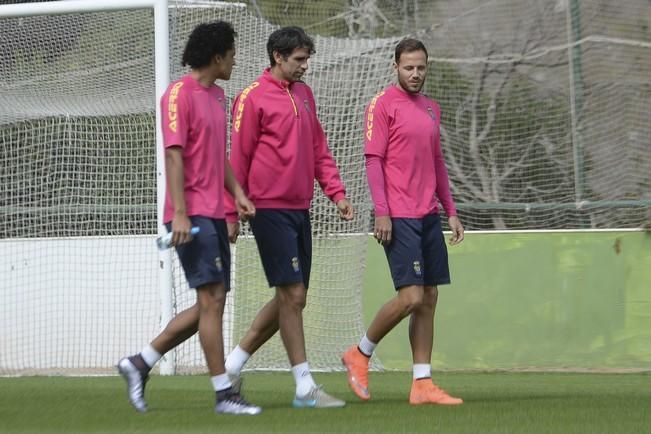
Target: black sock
{"points": [[227, 393], [140, 364], [368, 356]]}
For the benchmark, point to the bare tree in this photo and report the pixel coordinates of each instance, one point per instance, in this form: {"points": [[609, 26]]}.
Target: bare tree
{"points": [[365, 19], [500, 144]]}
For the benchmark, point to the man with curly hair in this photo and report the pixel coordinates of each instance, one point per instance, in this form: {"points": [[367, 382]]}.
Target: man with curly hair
{"points": [[194, 125]]}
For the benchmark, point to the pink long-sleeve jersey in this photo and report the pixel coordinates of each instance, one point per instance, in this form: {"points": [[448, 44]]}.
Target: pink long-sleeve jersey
{"points": [[403, 130], [278, 147]]}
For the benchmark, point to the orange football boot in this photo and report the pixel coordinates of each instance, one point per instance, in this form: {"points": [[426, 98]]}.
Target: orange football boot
{"points": [[356, 364], [424, 391]]}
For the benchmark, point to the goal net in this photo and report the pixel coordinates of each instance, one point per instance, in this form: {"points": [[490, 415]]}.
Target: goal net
{"points": [[544, 126], [544, 103], [333, 315], [80, 281]]}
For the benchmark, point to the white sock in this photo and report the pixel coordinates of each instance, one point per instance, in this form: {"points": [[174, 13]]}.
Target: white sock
{"points": [[150, 355], [366, 346], [220, 382], [236, 360], [422, 370], [303, 378]]}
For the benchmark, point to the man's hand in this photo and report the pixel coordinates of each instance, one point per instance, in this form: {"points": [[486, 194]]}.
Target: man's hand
{"points": [[233, 231], [245, 208], [457, 230], [345, 208], [181, 226], [382, 231]]}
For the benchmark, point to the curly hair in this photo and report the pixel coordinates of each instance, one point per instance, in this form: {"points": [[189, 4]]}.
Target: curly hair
{"points": [[206, 41]]}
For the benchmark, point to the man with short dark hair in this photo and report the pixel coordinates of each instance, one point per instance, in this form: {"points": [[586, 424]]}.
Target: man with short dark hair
{"points": [[278, 149], [407, 177], [194, 134]]}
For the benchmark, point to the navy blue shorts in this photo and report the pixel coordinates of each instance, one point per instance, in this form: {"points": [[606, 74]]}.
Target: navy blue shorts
{"points": [[207, 258], [417, 253], [284, 239]]}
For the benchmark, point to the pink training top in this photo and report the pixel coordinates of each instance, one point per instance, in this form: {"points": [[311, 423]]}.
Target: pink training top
{"points": [[194, 119], [278, 147], [402, 130]]}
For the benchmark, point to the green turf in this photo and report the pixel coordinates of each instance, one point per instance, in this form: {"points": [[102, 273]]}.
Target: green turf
{"points": [[495, 403]]}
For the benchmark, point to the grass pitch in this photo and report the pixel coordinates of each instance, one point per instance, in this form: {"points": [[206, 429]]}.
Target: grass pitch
{"points": [[495, 403]]}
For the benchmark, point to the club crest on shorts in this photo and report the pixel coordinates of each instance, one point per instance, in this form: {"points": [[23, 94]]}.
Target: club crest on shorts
{"points": [[218, 263], [417, 268], [431, 113], [295, 264]]}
